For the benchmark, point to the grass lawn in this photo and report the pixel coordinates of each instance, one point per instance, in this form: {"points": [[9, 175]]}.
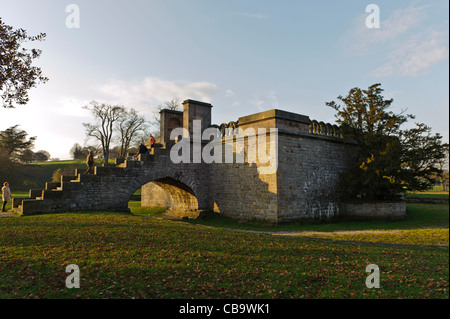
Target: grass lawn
{"points": [[418, 216], [435, 192], [427, 195], [140, 256]]}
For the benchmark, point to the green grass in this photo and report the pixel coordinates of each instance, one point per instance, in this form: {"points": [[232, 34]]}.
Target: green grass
{"points": [[433, 236], [135, 207], [427, 195], [137, 256], [434, 192]]}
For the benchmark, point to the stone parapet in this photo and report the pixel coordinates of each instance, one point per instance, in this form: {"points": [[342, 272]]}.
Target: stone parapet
{"points": [[373, 211]]}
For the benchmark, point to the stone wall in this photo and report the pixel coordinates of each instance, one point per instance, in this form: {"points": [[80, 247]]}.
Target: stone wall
{"points": [[373, 211], [304, 185], [308, 172], [239, 190]]}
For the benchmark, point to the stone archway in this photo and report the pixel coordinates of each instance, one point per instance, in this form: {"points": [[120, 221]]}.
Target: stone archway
{"points": [[178, 198]]}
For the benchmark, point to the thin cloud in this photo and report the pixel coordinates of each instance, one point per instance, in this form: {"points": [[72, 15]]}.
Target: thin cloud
{"points": [[268, 99], [152, 91], [229, 93], [407, 47], [398, 24], [414, 57]]}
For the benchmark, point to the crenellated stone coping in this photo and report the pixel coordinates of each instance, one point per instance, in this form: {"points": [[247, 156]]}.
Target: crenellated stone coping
{"points": [[325, 129], [227, 129]]}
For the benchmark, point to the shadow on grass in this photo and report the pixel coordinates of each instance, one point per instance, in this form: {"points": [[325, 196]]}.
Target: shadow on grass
{"points": [[418, 216]]}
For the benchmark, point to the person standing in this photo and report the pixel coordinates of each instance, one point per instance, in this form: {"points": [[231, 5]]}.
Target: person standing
{"points": [[89, 163], [6, 195], [152, 141]]}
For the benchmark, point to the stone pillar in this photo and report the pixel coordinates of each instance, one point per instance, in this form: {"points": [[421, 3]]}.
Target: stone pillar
{"points": [[170, 120], [195, 110]]}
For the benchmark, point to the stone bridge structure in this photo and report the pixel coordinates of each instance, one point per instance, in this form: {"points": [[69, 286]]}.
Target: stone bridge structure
{"points": [[309, 156]]}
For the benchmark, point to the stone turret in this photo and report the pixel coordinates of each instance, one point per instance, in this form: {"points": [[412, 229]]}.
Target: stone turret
{"points": [[195, 110], [170, 119]]}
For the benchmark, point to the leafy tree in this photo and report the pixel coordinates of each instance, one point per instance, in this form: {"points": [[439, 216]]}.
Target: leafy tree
{"points": [[78, 152], [389, 160], [9, 170], [27, 156], [443, 176], [17, 75], [41, 156], [102, 130], [14, 142]]}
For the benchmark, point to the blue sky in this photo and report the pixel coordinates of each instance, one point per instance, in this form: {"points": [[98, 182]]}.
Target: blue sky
{"points": [[242, 56]]}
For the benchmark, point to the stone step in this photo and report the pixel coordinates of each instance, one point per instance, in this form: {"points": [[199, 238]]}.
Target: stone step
{"points": [[32, 206], [68, 178], [52, 194], [108, 170], [52, 185], [131, 162], [119, 161], [16, 202], [69, 185], [18, 209], [35, 193], [87, 178], [81, 171]]}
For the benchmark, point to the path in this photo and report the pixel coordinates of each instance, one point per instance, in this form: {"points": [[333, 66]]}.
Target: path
{"points": [[8, 214]]}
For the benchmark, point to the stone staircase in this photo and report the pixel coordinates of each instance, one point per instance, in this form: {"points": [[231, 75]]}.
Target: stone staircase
{"points": [[71, 191]]}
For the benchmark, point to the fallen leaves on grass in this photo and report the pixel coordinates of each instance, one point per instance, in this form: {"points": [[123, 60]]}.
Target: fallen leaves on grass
{"points": [[433, 236], [128, 256]]}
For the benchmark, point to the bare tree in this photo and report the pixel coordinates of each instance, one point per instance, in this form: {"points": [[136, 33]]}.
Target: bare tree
{"points": [[103, 127], [130, 127]]}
